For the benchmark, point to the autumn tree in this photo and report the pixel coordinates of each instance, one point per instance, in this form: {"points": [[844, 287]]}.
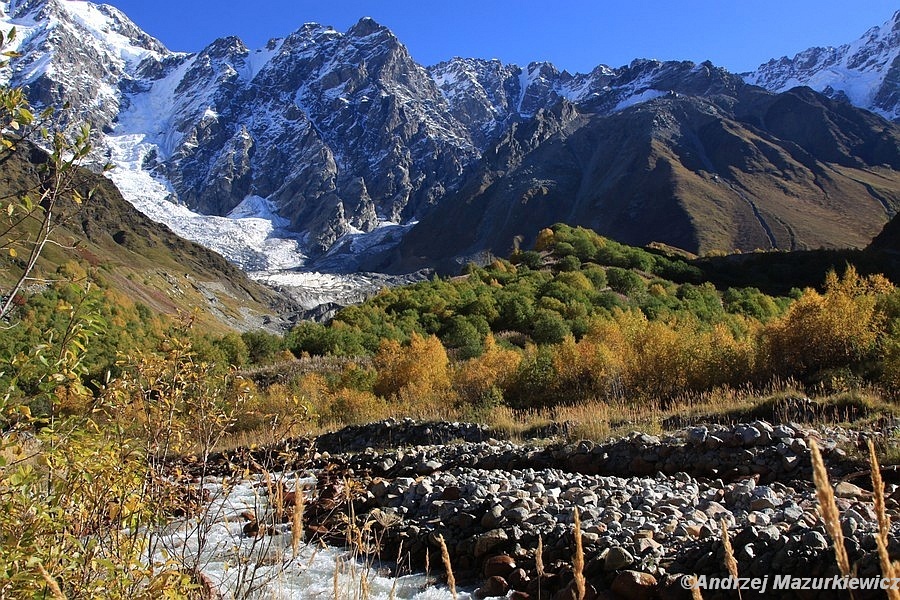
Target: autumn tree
{"points": [[419, 368], [477, 378], [839, 328]]}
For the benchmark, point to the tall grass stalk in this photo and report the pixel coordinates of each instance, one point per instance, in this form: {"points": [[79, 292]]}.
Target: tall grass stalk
{"points": [[695, 590], [539, 563], [888, 570], [297, 517], [578, 560], [828, 509], [730, 562], [445, 557]]}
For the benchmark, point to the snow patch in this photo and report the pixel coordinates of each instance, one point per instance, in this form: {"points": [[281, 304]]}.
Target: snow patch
{"points": [[644, 96], [254, 240]]}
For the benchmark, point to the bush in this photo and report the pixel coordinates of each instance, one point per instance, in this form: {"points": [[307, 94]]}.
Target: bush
{"points": [[596, 275], [487, 375], [531, 259], [462, 334], [826, 331], [549, 327], [534, 380], [568, 263], [627, 283], [419, 368]]}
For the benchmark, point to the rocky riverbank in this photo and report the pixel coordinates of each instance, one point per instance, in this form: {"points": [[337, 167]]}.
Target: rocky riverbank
{"points": [[651, 507]]}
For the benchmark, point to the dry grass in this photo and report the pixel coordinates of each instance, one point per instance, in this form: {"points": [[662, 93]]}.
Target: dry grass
{"points": [[597, 420], [730, 562], [889, 570], [539, 558], [695, 592], [601, 420], [578, 559], [445, 558], [828, 509], [539, 564]]}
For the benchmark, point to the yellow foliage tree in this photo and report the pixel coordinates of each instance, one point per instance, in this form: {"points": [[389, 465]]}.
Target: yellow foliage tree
{"points": [[635, 357], [545, 240], [420, 368], [823, 331], [586, 370], [474, 379]]}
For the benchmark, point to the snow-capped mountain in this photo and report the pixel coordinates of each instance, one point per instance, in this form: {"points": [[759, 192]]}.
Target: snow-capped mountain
{"points": [[325, 146], [76, 52], [340, 133], [865, 72]]}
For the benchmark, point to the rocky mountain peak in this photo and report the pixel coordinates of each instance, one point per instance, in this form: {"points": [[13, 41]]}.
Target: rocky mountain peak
{"points": [[226, 47], [118, 22], [865, 72], [77, 52], [367, 26]]}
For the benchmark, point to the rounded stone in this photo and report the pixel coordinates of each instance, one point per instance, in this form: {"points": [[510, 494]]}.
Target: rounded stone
{"points": [[634, 585], [501, 565], [617, 558], [486, 542]]}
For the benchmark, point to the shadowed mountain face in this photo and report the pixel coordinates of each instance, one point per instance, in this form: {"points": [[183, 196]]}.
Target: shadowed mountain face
{"points": [[789, 171], [888, 240]]}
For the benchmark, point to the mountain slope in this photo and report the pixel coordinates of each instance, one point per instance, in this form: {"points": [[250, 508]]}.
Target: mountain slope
{"points": [[789, 171], [142, 259]]}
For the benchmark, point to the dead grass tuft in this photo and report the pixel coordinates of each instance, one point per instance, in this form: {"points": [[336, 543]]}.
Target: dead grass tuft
{"points": [[828, 509], [578, 559]]}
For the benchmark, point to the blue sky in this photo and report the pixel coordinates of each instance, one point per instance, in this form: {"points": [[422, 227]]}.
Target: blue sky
{"points": [[574, 35]]}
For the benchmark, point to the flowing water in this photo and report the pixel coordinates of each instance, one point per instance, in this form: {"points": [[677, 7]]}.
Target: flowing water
{"points": [[245, 566]]}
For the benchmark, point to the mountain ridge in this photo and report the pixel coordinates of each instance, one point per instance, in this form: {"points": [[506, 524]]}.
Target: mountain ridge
{"points": [[682, 171], [343, 141]]}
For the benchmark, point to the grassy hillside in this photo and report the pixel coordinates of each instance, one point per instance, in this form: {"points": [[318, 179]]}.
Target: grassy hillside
{"points": [[143, 262]]}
